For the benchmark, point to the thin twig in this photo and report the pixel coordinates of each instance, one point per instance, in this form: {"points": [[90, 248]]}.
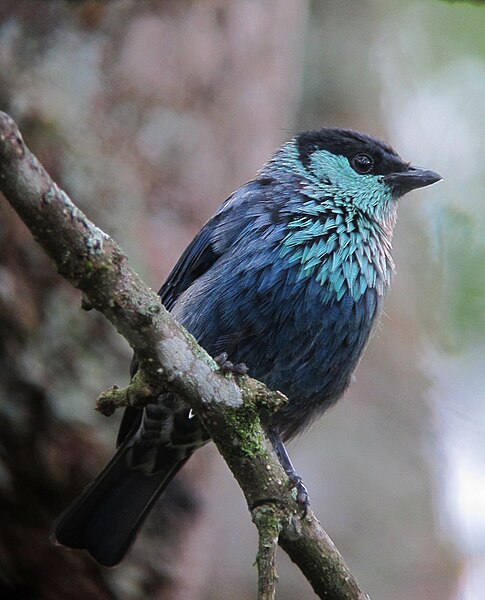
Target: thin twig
{"points": [[268, 521]]}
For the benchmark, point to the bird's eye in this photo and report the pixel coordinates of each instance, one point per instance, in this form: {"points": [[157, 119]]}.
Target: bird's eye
{"points": [[362, 163]]}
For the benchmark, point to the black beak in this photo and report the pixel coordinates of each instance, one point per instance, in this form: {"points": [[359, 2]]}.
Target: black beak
{"points": [[411, 179]]}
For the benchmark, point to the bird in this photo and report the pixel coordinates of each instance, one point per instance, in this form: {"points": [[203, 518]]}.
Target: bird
{"points": [[286, 281]]}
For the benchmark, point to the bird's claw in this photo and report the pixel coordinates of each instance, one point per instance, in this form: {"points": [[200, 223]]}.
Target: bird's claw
{"points": [[302, 496], [226, 366]]}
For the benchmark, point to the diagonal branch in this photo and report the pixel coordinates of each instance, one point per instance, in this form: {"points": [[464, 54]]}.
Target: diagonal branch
{"points": [[170, 359]]}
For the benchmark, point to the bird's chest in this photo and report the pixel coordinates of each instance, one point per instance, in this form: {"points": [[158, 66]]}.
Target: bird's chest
{"points": [[299, 324], [310, 339]]}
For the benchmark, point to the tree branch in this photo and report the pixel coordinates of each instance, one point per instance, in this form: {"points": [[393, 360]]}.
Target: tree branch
{"points": [[171, 360]]}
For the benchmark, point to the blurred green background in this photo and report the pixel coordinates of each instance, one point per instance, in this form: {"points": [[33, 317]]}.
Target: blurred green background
{"points": [[149, 114]]}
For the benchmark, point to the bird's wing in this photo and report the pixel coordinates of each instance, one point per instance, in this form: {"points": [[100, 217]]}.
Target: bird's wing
{"points": [[212, 241], [197, 258]]}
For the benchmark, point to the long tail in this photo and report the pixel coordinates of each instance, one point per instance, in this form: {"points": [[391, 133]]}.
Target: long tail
{"points": [[105, 519]]}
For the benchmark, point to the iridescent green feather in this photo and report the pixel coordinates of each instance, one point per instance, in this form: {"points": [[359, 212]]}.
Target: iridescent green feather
{"points": [[342, 234]]}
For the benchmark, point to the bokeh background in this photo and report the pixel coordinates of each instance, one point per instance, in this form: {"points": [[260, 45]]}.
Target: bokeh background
{"points": [[149, 114]]}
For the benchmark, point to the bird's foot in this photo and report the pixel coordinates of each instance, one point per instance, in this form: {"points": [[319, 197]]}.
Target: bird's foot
{"points": [[302, 496], [226, 366]]}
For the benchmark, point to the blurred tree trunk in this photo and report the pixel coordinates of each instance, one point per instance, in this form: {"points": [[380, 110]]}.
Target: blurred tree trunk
{"points": [[149, 114]]}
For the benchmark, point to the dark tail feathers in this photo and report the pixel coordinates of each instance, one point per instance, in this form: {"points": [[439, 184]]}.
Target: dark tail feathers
{"points": [[105, 519]]}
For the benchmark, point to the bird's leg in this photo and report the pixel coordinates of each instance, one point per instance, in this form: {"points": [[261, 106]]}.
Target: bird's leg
{"points": [[301, 492], [226, 366]]}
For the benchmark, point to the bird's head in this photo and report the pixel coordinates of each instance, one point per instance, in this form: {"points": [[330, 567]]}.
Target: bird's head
{"points": [[340, 222], [355, 170]]}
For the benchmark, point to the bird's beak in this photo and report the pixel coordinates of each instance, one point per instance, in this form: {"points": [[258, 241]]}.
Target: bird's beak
{"points": [[411, 179]]}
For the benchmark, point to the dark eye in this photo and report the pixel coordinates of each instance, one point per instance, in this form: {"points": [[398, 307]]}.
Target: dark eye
{"points": [[362, 163]]}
